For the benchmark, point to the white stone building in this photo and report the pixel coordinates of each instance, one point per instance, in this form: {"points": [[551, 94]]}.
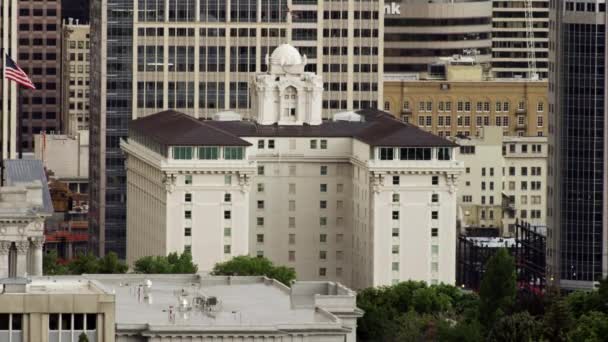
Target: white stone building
{"points": [[363, 199], [505, 179], [175, 307], [24, 204], [75, 77]]}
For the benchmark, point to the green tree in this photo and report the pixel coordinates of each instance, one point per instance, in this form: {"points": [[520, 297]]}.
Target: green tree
{"points": [[498, 288], [171, 264], [84, 263], [413, 327], [557, 320], [464, 330], [591, 327], [51, 265], [245, 265], [111, 264], [83, 337], [518, 327]]}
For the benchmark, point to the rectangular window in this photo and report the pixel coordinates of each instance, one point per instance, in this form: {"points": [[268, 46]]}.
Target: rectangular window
{"points": [[261, 170], [386, 153], [260, 238], [434, 232], [323, 187], [435, 198], [435, 180], [260, 187], [227, 179], [227, 249], [227, 232], [322, 272], [323, 221], [323, 170], [434, 215], [187, 231], [208, 153], [233, 153], [323, 204], [396, 180], [323, 238], [188, 214], [271, 143], [292, 222], [395, 232], [261, 144], [395, 215], [395, 198], [260, 204], [227, 198], [292, 239], [182, 152], [188, 197], [227, 214], [292, 205], [395, 266], [324, 144], [313, 144], [259, 221]]}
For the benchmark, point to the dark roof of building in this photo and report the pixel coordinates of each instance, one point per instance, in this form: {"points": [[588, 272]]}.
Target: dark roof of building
{"points": [[378, 128], [174, 128]]}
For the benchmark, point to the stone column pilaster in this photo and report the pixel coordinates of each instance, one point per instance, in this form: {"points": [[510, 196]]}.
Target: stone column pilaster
{"points": [[22, 251], [37, 243], [5, 246]]}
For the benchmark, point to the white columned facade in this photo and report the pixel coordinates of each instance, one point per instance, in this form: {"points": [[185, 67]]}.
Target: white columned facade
{"points": [[22, 261], [4, 250], [37, 254]]}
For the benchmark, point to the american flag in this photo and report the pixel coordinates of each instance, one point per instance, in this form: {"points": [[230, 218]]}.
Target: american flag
{"points": [[13, 72]]}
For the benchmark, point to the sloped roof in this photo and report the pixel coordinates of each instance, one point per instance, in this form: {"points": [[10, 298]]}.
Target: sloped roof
{"points": [[377, 129], [174, 128]]}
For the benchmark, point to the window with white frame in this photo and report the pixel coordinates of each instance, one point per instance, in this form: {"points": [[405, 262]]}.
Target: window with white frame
{"points": [[539, 121], [540, 107], [11, 327], [68, 327]]}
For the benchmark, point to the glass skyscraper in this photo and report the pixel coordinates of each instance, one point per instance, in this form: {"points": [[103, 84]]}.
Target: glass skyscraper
{"points": [[578, 213]]}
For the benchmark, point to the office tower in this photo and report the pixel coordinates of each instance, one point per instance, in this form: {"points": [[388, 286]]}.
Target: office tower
{"points": [[39, 56], [197, 57], [75, 76], [520, 38], [364, 199], [578, 216], [458, 100], [418, 32], [8, 89]]}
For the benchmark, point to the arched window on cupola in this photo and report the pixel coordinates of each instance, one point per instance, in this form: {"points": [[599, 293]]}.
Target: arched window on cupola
{"points": [[290, 100]]}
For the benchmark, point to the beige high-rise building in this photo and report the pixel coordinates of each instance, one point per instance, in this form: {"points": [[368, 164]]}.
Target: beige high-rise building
{"points": [[459, 100], [75, 77]]}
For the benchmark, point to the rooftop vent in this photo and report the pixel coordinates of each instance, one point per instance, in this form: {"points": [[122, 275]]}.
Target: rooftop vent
{"points": [[348, 116]]}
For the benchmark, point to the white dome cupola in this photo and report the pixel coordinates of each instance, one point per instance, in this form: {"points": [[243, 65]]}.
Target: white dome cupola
{"points": [[287, 95], [286, 59]]}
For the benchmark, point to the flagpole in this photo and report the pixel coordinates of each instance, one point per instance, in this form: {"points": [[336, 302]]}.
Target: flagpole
{"points": [[18, 123], [4, 109]]}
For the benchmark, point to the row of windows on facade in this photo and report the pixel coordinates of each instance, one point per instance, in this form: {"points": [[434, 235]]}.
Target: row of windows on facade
{"points": [[23, 27], [323, 171], [38, 12], [81, 57], [37, 56], [534, 200], [79, 81], [212, 11], [481, 121], [467, 133], [414, 153], [534, 171], [207, 153], [37, 41], [466, 106], [574, 6]]}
